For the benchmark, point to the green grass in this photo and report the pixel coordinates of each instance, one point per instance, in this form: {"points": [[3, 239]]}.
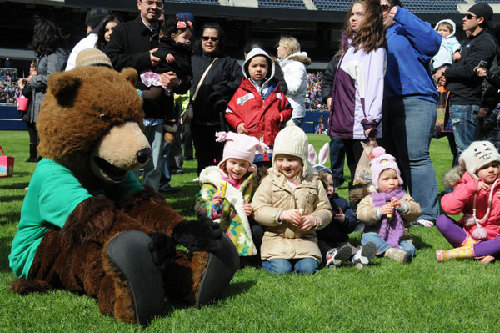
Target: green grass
{"points": [[425, 296]]}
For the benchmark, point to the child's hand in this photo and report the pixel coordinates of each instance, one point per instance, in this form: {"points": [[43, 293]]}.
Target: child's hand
{"points": [[456, 56], [170, 58], [217, 199], [340, 216], [241, 129], [247, 207], [482, 186], [386, 209], [395, 202], [308, 222], [292, 216]]}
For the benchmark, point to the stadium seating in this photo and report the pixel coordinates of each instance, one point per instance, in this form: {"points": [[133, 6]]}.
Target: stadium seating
{"points": [[281, 4], [415, 6], [201, 2]]}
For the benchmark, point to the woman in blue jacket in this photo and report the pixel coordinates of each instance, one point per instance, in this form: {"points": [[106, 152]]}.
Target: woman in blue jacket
{"points": [[410, 102]]}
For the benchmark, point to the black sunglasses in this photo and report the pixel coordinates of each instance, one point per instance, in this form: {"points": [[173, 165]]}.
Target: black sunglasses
{"points": [[385, 8], [213, 39], [470, 16]]}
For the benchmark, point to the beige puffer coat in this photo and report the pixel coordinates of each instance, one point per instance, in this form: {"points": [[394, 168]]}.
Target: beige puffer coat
{"points": [[282, 240]]}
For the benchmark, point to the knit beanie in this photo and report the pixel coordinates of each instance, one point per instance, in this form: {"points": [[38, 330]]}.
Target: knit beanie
{"points": [[238, 146], [291, 141], [477, 155], [95, 16], [381, 162], [92, 57]]}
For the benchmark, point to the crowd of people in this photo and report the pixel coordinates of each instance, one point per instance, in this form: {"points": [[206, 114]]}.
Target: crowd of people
{"points": [[9, 90], [253, 160]]}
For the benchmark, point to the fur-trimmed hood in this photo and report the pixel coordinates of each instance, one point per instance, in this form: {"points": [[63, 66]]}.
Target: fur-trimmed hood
{"points": [[300, 57], [453, 176]]}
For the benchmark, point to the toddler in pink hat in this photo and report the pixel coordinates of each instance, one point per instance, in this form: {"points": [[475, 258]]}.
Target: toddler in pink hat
{"points": [[227, 188], [388, 213]]}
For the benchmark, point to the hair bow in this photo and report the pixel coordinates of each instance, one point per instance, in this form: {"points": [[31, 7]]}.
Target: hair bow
{"points": [[184, 24]]}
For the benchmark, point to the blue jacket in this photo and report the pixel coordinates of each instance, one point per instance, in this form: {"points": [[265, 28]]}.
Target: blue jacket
{"points": [[411, 43], [336, 232]]}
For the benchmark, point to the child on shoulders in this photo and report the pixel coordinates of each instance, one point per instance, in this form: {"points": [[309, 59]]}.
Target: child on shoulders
{"points": [[291, 204], [226, 190], [476, 194], [388, 213], [259, 107]]}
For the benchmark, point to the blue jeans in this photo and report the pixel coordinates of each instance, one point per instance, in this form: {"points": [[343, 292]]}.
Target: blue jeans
{"points": [[337, 158], [382, 245], [465, 125], [152, 170], [283, 266], [409, 126]]}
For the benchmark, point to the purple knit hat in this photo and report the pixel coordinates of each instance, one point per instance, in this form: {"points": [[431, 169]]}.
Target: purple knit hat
{"points": [[381, 162]]}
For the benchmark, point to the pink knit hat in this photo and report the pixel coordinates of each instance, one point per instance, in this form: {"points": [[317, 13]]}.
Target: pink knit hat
{"points": [[239, 146], [381, 162]]}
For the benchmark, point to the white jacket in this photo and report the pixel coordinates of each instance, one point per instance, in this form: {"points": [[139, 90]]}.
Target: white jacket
{"points": [[88, 42], [295, 74]]}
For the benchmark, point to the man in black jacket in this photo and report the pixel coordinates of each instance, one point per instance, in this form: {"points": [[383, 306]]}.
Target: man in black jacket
{"points": [[466, 100], [337, 150], [132, 44]]}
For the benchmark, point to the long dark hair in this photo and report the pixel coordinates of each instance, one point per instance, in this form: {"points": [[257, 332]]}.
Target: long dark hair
{"points": [[47, 37], [371, 35], [101, 30]]}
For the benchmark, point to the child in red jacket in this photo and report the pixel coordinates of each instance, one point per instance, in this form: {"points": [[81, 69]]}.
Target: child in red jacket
{"points": [[477, 196], [259, 107]]}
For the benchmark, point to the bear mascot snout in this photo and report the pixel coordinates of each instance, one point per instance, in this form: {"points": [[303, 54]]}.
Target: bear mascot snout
{"points": [[88, 226]]}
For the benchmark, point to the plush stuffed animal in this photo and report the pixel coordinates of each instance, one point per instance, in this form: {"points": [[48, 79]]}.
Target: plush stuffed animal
{"points": [[88, 226]]}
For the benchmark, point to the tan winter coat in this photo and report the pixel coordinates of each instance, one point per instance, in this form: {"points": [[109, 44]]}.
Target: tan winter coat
{"points": [[282, 240], [367, 214]]}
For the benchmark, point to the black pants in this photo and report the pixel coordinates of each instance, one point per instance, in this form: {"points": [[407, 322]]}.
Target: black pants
{"points": [[208, 151], [353, 151]]}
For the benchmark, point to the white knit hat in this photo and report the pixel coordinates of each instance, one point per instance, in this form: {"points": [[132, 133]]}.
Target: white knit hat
{"points": [[477, 155], [291, 141]]}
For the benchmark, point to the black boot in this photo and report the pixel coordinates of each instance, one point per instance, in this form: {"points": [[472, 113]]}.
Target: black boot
{"points": [[33, 158]]}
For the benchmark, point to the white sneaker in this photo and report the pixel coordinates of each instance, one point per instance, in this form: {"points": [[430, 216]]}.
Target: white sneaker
{"points": [[424, 222]]}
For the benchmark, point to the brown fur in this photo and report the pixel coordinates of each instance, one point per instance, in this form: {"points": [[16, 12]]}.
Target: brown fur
{"points": [[81, 107]]}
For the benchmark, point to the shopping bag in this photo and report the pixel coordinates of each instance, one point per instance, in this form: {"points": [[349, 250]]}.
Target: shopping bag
{"points": [[6, 164], [22, 104], [443, 112], [363, 175]]}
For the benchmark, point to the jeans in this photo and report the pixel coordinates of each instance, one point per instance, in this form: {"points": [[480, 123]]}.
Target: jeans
{"points": [[409, 125], [382, 245], [152, 170], [465, 125], [165, 171], [283, 266], [337, 158]]}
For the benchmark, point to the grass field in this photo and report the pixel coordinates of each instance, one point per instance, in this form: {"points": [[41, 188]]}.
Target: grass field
{"points": [[424, 296]]}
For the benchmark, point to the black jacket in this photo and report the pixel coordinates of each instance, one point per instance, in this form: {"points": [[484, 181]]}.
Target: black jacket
{"points": [[464, 85], [182, 54], [219, 85], [336, 232], [328, 77], [129, 47]]}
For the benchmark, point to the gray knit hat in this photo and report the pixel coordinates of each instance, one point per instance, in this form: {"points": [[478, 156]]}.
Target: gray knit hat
{"points": [[477, 155], [291, 141], [92, 57]]}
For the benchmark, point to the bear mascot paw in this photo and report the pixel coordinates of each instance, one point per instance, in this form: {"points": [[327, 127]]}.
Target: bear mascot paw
{"points": [[88, 226]]}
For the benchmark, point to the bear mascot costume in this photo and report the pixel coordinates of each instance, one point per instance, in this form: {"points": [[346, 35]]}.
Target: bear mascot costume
{"points": [[88, 226]]}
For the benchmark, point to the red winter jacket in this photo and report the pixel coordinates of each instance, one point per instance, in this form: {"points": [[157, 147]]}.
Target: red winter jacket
{"points": [[462, 199], [262, 118]]}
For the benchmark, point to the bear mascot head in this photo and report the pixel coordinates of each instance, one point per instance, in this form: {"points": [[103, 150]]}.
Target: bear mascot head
{"points": [[88, 226]]}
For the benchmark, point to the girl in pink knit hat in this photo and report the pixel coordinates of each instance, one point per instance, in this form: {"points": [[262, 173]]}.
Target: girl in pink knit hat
{"points": [[387, 214], [227, 188]]}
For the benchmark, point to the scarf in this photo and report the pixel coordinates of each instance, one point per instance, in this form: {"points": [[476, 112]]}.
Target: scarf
{"points": [[392, 229]]}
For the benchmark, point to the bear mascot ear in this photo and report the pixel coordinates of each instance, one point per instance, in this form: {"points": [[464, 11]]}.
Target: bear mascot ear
{"points": [[130, 74], [64, 86]]}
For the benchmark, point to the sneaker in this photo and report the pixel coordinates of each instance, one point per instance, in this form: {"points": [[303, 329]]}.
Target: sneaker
{"points": [[364, 255], [423, 222], [335, 257], [400, 255], [168, 189]]}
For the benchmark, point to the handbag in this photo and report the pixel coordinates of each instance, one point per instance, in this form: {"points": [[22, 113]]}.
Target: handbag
{"points": [[6, 164], [187, 113], [22, 104]]}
